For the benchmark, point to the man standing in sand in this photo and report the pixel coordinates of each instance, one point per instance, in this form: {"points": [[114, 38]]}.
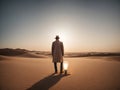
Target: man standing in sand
{"points": [[57, 54]]}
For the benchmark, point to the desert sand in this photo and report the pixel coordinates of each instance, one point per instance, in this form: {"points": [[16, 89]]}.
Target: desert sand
{"points": [[85, 73]]}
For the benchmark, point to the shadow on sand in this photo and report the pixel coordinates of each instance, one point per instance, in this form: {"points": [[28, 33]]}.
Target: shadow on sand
{"points": [[47, 82]]}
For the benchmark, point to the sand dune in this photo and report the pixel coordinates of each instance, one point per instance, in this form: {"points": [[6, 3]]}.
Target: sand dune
{"points": [[86, 73], [41, 54], [4, 57], [21, 53], [32, 55]]}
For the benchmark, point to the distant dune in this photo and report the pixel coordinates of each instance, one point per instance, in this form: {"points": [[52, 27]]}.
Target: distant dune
{"points": [[4, 57], [21, 53], [32, 55], [12, 52], [42, 54]]}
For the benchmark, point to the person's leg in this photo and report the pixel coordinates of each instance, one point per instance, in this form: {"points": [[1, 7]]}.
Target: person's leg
{"points": [[61, 67], [55, 67]]}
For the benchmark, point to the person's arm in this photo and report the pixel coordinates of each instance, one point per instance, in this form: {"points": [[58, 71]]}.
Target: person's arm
{"points": [[52, 49], [62, 47]]}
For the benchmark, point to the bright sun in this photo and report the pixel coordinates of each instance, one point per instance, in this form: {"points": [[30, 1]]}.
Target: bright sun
{"points": [[63, 34]]}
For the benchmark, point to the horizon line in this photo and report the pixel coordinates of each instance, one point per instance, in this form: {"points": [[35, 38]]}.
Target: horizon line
{"points": [[67, 51]]}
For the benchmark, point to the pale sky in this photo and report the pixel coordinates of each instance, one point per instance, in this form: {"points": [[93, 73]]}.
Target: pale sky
{"points": [[81, 25]]}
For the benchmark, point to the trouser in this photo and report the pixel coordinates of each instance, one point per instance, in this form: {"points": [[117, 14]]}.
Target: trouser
{"points": [[61, 66]]}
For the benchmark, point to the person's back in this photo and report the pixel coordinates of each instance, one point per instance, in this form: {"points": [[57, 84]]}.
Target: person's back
{"points": [[57, 53]]}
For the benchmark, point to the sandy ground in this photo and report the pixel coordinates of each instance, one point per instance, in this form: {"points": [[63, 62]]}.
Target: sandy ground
{"points": [[86, 73]]}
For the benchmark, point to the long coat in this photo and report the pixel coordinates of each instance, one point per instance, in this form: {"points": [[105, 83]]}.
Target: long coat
{"points": [[57, 51]]}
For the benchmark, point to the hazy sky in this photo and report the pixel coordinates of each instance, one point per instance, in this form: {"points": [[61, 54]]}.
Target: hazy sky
{"points": [[87, 25]]}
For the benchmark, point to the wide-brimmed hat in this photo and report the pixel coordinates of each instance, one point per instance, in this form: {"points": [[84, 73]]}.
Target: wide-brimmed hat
{"points": [[57, 37]]}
